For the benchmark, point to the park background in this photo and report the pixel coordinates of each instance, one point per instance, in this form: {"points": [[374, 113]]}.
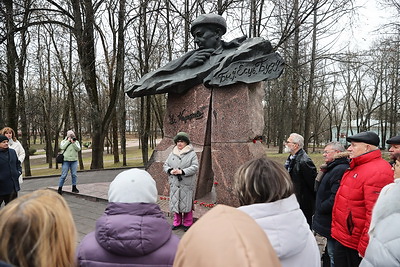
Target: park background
{"points": [[66, 65]]}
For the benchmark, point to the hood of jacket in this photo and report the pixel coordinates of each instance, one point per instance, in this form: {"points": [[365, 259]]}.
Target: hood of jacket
{"points": [[284, 224], [132, 229], [225, 236]]}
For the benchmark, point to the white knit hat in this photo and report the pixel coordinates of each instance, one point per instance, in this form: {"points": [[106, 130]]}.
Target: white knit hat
{"points": [[133, 186]]}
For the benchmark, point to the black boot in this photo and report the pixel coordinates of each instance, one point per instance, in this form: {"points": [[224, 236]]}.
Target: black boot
{"points": [[60, 190], [74, 189]]}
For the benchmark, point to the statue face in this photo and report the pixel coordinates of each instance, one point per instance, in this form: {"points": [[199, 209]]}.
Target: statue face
{"points": [[205, 37]]}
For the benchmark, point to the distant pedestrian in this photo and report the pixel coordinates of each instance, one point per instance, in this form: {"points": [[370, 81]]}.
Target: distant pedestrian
{"points": [[265, 192], [384, 244], [327, 184], [303, 172], [133, 230], [181, 166], [38, 230], [358, 191], [225, 236], [10, 170], [71, 147], [14, 144]]}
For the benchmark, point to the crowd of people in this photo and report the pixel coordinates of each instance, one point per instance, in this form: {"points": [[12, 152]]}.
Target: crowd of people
{"points": [[355, 206], [354, 226]]}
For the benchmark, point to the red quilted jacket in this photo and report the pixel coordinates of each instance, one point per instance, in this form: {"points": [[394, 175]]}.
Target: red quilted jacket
{"points": [[359, 189]]}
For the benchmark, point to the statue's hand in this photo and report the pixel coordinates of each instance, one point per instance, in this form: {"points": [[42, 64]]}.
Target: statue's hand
{"points": [[198, 58]]}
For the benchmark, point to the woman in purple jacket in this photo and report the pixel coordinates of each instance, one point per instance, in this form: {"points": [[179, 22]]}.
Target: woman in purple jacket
{"points": [[133, 230]]}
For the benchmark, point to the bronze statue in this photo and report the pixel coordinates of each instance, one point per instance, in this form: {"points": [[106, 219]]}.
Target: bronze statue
{"points": [[215, 63]]}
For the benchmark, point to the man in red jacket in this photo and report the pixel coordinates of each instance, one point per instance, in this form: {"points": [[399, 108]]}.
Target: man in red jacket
{"points": [[358, 191]]}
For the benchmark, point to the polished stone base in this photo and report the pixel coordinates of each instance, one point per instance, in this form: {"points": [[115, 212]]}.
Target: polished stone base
{"points": [[222, 124]]}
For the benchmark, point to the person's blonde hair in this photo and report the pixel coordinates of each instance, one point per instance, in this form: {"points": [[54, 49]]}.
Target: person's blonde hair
{"points": [[8, 130], [36, 230], [262, 180]]}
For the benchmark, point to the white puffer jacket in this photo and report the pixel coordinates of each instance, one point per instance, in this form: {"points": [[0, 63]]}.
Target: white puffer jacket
{"points": [[384, 235], [287, 229]]}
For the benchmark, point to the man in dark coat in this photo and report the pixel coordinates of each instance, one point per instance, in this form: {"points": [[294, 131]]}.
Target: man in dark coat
{"points": [[10, 170], [303, 172], [327, 184]]}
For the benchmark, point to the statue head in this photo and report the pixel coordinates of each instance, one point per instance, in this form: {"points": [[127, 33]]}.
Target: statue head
{"points": [[207, 30]]}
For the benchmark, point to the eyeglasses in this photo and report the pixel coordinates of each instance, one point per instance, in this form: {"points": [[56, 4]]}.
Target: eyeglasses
{"points": [[328, 151]]}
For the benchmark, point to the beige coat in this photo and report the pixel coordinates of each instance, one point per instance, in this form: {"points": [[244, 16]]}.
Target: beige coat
{"points": [[225, 236], [182, 191]]}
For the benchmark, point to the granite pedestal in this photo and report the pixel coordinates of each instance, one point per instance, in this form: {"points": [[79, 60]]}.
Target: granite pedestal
{"points": [[222, 124]]}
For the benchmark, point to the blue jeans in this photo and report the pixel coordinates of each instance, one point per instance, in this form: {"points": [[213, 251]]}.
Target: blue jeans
{"points": [[68, 165], [331, 249]]}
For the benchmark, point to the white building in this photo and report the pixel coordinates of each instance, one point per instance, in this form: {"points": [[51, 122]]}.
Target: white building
{"points": [[373, 126]]}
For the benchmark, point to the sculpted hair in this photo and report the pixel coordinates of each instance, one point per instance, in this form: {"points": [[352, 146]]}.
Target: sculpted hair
{"points": [[336, 146], [8, 130], [298, 139], [36, 230], [262, 180]]}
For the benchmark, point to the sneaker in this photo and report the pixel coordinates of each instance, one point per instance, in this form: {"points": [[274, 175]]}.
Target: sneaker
{"points": [[185, 228], [74, 189], [175, 227]]}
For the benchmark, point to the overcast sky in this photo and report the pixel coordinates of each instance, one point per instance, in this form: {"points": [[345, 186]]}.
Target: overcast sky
{"points": [[366, 29]]}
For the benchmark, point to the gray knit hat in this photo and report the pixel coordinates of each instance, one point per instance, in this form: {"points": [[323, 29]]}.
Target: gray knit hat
{"points": [[209, 19], [183, 137]]}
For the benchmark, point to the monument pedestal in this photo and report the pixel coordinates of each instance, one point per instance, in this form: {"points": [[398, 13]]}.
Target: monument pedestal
{"points": [[222, 124]]}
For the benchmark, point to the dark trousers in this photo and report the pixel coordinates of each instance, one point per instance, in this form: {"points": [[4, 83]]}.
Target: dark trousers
{"points": [[8, 198], [346, 257]]}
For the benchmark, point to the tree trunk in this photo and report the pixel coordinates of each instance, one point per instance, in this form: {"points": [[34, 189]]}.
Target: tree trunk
{"points": [[296, 70], [21, 101], [308, 117], [114, 128], [11, 94]]}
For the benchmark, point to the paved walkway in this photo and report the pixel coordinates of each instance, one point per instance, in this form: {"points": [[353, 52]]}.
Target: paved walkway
{"points": [[89, 204]]}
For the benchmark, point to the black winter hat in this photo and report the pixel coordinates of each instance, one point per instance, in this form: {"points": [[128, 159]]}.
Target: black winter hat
{"points": [[365, 137], [3, 138], [182, 136], [394, 140]]}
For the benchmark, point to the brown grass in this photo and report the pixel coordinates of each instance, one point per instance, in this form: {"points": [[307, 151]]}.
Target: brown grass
{"points": [[39, 167]]}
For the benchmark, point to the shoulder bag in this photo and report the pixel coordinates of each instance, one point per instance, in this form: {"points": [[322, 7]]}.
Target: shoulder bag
{"points": [[60, 156]]}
